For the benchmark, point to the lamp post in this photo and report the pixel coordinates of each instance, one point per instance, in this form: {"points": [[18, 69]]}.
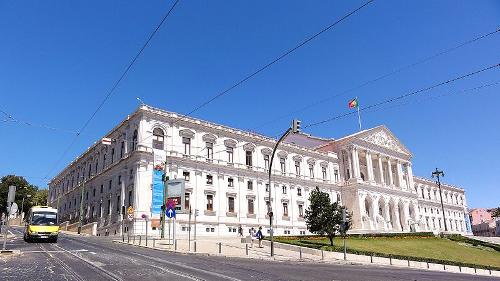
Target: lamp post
{"points": [[439, 174], [295, 128]]}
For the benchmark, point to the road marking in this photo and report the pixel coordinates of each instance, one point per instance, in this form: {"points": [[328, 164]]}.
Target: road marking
{"points": [[53, 251]]}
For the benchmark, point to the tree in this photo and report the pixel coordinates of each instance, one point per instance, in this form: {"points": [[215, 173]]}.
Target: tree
{"points": [[23, 188], [324, 217], [496, 213]]}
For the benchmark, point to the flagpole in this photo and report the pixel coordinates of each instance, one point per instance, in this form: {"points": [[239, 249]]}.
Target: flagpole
{"points": [[359, 115]]}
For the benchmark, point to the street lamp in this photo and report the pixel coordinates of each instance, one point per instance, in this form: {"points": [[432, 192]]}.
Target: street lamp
{"points": [[439, 174], [295, 128]]}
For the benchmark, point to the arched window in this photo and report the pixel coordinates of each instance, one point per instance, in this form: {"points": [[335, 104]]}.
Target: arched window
{"points": [[158, 138], [134, 140]]}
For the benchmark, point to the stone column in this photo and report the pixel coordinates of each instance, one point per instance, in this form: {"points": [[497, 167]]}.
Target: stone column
{"points": [[350, 165], [395, 224], [411, 183], [399, 174], [389, 168], [381, 170], [355, 162], [406, 212], [369, 167], [375, 213]]}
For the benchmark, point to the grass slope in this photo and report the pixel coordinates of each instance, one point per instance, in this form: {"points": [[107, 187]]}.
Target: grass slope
{"points": [[431, 247]]}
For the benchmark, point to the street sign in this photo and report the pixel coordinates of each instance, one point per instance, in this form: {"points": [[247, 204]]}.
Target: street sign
{"points": [[130, 210], [145, 216], [130, 217], [170, 213], [12, 194]]}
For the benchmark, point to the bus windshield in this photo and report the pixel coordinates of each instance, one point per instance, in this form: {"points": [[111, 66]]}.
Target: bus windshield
{"points": [[44, 218]]}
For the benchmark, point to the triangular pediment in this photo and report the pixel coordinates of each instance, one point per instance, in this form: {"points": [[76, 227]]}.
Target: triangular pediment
{"points": [[381, 136]]}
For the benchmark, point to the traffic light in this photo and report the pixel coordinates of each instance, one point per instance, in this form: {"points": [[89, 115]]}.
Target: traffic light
{"points": [[295, 126]]}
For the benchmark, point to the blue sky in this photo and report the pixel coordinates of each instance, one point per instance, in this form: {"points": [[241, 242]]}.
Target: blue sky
{"points": [[58, 59]]}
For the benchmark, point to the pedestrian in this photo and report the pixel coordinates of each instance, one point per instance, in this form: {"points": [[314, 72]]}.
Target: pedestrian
{"points": [[259, 236], [240, 231], [252, 236]]}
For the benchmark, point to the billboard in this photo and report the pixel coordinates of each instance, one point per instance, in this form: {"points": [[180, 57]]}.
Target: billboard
{"points": [[157, 186], [176, 193]]}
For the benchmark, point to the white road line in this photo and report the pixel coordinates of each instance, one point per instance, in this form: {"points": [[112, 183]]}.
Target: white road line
{"points": [[54, 251]]}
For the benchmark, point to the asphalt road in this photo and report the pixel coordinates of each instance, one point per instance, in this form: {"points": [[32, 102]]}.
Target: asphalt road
{"points": [[95, 258]]}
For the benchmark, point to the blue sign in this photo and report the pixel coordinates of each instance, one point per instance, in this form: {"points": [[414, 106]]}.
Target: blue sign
{"points": [[170, 213], [157, 199]]}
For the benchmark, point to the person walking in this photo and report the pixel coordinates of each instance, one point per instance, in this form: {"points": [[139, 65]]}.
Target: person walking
{"points": [[259, 236], [252, 236]]}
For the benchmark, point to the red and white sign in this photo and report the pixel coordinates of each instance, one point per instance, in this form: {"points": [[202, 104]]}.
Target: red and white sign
{"points": [[106, 141]]}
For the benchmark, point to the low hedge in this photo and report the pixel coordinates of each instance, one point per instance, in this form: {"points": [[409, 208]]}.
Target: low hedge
{"points": [[321, 246], [365, 235], [474, 242]]}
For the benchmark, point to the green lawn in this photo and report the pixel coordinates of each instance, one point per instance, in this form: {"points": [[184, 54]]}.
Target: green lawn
{"points": [[430, 247]]}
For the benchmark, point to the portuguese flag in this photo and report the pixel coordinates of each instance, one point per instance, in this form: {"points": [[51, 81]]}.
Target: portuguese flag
{"points": [[353, 103]]}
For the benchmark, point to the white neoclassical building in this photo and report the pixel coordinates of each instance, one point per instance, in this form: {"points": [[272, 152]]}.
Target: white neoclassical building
{"points": [[226, 175]]}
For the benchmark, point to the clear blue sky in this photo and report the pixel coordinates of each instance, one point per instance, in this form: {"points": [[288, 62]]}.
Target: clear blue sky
{"points": [[59, 58]]}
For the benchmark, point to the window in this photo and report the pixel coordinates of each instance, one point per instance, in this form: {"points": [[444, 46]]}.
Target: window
{"points": [[266, 162], [267, 187], [248, 158], [134, 140], [311, 171], [158, 138], [229, 154], [301, 211], [250, 206], [113, 155], [429, 194], [186, 175], [122, 149], [131, 174], [102, 188], [210, 202], [90, 170], [284, 189], [187, 203], [210, 150], [104, 161], [210, 179], [109, 206], [297, 168], [285, 209], [119, 180], [230, 204], [230, 182], [110, 183], [93, 192], [250, 185], [299, 191], [282, 164], [96, 164], [118, 203], [336, 175], [130, 198], [187, 145], [323, 171]]}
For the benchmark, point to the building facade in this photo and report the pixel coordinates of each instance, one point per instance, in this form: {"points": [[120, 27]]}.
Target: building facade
{"points": [[483, 224], [226, 179]]}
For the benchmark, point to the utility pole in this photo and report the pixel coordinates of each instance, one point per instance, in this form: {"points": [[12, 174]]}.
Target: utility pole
{"points": [[295, 128], [165, 193], [438, 174]]}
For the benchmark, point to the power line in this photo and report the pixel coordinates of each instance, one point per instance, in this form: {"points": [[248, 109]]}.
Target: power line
{"points": [[115, 85], [279, 58], [388, 74], [11, 118], [405, 95]]}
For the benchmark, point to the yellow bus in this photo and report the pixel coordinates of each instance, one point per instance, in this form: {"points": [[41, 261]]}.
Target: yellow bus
{"points": [[41, 224]]}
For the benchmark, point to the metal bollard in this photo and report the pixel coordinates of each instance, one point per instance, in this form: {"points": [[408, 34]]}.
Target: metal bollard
{"points": [[459, 268], [146, 240], [128, 239], [408, 262], [134, 240], [300, 252], [371, 259], [154, 242], [322, 255], [390, 260], [475, 271], [195, 246], [246, 249], [444, 267], [427, 265], [140, 240], [220, 247], [175, 244]]}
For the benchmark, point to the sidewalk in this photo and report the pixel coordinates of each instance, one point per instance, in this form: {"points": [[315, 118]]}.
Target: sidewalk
{"points": [[233, 247]]}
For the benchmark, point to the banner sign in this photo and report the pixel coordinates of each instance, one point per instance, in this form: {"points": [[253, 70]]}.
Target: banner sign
{"points": [[158, 172]]}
